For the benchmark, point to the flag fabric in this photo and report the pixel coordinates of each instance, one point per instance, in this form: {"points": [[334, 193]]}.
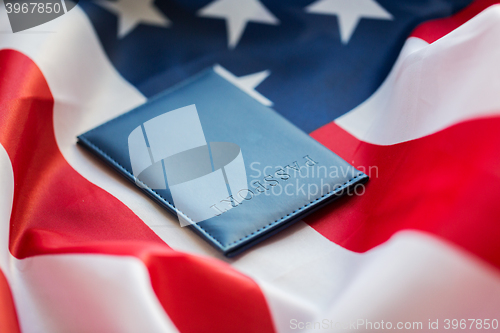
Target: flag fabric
{"points": [[406, 91]]}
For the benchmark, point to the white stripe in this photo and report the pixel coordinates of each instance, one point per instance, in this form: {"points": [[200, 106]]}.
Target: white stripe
{"points": [[415, 277], [88, 91], [247, 83], [298, 262], [433, 86]]}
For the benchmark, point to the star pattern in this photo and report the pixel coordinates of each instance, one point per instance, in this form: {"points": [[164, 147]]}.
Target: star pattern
{"points": [[349, 13], [247, 83], [133, 12], [237, 14]]}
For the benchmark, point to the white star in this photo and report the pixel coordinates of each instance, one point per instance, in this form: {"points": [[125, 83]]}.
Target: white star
{"points": [[132, 12], [349, 12], [237, 14], [247, 83]]}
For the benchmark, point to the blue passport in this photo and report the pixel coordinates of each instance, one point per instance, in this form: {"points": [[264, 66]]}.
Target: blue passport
{"points": [[228, 167]]}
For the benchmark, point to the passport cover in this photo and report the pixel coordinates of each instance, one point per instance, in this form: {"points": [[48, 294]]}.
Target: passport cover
{"points": [[231, 169]]}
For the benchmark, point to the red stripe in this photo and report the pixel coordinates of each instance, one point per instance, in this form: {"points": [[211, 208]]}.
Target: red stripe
{"points": [[55, 210], [52, 202], [8, 315], [433, 30], [447, 184]]}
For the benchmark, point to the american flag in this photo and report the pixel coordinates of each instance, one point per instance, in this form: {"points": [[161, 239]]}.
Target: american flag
{"points": [[407, 91]]}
